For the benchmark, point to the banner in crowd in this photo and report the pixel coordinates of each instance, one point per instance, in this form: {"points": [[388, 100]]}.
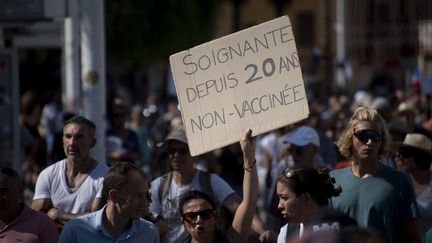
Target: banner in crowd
{"points": [[249, 79]]}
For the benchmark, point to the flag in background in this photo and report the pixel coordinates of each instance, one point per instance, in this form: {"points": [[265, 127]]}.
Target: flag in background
{"points": [[415, 79]]}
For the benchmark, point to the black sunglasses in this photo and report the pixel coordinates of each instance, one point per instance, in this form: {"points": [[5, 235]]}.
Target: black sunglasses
{"points": [[204, 214], [406, 152], [364, 135], [180, 151], [295, 149]]}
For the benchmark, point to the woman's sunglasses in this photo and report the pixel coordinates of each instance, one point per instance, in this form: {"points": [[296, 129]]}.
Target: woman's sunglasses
{"points": [[290, 173], [364, 135], [205, 214]]}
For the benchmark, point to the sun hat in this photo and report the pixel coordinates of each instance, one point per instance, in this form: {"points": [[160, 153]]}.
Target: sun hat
{"points": [[178, 133], [416, 141], [303, 136]]}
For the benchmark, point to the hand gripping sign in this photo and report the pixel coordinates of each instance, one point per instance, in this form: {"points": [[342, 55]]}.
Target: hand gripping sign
{"points": [[249, 79]]}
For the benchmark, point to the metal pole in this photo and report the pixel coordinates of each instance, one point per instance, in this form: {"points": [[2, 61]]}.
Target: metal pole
{"points": [[328, 50], [15, 101], [93, 69], [2, 45], [340, 44], [72, 87]]}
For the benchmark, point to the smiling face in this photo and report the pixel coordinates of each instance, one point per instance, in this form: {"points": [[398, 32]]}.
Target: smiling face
{"points": [[365, 147], [290, 205], [179, 156], [78, 139], [199, 218]]}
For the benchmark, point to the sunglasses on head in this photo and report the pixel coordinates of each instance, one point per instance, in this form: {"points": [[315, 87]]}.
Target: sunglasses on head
{"points": [[364, 135], [179, 151], [204, 214], [290, 173]]}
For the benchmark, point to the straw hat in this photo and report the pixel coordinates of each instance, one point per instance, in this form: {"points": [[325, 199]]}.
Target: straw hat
{"points": [[416, 141]]}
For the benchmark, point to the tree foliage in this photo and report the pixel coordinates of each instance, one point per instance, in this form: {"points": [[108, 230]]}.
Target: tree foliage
{"points": [[143, 31]]}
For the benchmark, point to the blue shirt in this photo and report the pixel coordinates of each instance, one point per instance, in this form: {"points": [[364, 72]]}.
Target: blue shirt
{"points": [[90, 228]]}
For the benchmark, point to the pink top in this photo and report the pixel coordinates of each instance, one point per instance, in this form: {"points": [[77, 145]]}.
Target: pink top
{"points": [[30, 226]]}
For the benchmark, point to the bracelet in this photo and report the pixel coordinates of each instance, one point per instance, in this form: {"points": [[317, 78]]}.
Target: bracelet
{"points": [[250, 166]]}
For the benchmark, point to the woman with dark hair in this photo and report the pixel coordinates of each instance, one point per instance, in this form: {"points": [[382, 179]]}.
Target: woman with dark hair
{"points": [[303, 190], [198, 210], [375, 195]]}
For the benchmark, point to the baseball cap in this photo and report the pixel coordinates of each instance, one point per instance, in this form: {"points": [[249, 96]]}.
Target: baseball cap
{"points": [[303, 135], [178, 133]]}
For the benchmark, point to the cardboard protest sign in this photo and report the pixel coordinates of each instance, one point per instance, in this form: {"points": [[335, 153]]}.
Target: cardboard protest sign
{"points": [[249, 79]]}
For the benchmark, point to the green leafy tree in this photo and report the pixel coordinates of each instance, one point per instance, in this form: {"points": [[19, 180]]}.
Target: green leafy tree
{"points": [[145, 31]]}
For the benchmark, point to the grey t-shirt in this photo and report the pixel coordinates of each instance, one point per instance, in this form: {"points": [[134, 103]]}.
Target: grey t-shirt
{"points": [[382, 201]]}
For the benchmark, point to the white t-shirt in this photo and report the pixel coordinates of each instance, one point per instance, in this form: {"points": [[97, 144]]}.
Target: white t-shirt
{"points": [[283, 233], [169, 207], [51, 184]]}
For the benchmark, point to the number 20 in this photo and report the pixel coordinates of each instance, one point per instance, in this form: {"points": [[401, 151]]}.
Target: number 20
{"points": [[266, 71]]}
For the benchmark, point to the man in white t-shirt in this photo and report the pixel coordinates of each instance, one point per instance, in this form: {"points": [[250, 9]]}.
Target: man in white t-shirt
{"points": [[184, 177], [73, 186]]}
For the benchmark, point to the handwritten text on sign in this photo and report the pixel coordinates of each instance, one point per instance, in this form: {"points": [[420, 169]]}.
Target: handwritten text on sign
{"points": [[250, 79]]}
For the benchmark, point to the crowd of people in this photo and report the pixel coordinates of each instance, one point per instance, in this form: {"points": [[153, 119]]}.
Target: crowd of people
{"points": [[356, 169]]}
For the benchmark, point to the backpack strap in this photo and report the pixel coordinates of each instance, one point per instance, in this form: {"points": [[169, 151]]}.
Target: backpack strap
{"points": [[205, 182], [164, 185]]}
